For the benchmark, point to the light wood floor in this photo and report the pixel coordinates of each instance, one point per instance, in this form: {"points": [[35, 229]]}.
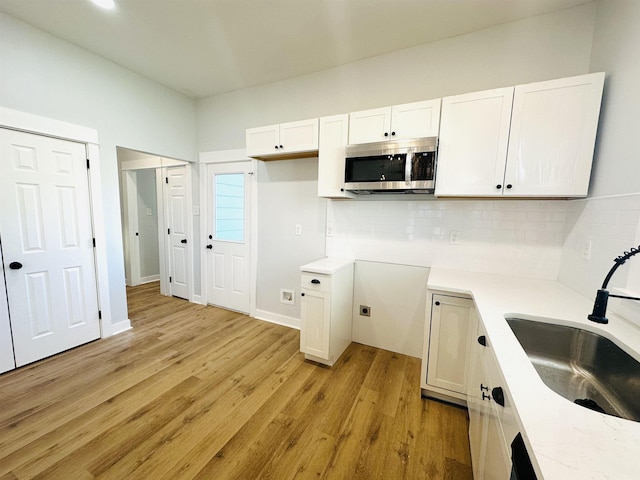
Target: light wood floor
{"points": [[195, 392]]}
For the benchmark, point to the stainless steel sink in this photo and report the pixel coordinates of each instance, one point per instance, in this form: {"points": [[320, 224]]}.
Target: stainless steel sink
{"points": [[583, 367]]}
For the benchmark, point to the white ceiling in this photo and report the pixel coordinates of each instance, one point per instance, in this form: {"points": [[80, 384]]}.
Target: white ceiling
{"points": [[206, 47]]}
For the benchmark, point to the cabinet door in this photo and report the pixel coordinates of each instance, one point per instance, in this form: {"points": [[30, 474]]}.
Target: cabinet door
{"points": [[553, 132], [299, 136], [370, 125], [334, 132], [474, 132], [416, 120], [452, 322], [315, 323], [263, 140]]}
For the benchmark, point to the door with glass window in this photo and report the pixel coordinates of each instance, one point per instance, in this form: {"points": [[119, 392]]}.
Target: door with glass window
{"points": [[228, 245]]}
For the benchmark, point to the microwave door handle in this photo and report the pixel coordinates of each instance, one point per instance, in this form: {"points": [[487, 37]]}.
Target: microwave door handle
{"points": [[407, 167]]}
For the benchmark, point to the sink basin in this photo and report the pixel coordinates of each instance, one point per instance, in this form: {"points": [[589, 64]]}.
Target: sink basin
{"points": [[583, 367]]}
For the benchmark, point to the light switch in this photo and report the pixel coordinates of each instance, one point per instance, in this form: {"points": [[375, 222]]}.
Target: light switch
{"points": [[298, 229], [149, 212]]}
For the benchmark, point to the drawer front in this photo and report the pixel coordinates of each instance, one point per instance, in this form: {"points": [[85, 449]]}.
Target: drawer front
{"points": [[318, 282]]}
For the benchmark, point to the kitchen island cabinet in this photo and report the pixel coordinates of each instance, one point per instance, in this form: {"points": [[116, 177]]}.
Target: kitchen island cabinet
{"points": [[326, 309]]}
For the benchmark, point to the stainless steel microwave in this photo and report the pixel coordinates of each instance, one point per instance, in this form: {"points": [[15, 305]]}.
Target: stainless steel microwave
{"points": [[396, 166]]}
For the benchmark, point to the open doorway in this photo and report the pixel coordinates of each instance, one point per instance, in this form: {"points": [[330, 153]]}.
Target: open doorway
{"points": [[157, 226]]}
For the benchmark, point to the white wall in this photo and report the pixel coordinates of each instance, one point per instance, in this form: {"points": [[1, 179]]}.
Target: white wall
{"points": [[610, 218], [46, 76], [538, 48]]}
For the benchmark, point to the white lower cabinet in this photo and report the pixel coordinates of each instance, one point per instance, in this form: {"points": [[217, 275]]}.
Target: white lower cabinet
{"points": [[448, 331], [326, 310], [492, 424]]}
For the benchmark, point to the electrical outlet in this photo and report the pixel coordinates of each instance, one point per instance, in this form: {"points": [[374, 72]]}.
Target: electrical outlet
{"points": [[454, 237], [287, 296], [365, 311], [586, 250], [298, 229]]}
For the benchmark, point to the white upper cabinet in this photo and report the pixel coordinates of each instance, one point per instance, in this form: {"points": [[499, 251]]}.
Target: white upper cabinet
{"points": [[285, 140], [334, 131], [474, 134], [553, 134], [533, 140], [409, 120]]}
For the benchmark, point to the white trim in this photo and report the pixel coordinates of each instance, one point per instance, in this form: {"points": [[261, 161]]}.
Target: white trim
{"points": [[121, 327], [149, 279], [46, 126], [224, 156], [198, 299], [277, 319]]}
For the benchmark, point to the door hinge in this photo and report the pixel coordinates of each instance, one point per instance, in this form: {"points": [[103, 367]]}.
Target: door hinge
{"points": [[169, 279], [99, 314], [88, 163], [166, 179], [94, 242], [168, 231]]}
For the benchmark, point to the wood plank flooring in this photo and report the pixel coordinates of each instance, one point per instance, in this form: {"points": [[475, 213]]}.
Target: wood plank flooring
{"points": [[196, 392]]}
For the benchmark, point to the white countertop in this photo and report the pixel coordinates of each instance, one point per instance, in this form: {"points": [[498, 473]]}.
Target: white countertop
{"points": [[327, 265], [565, 441]]}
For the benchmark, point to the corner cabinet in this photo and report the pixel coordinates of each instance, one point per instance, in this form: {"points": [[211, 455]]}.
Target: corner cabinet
{"points": [[283, 141], [409, 120], [534, 140], [448, 332], [326, 309], [334, 132]]}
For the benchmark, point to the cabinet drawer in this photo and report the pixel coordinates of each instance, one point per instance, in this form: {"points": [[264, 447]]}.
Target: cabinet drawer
{"points": [[315, 281]]}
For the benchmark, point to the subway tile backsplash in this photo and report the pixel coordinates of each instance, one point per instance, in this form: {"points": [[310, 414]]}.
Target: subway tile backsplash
{"points": [[536, 238], [521, 237]]}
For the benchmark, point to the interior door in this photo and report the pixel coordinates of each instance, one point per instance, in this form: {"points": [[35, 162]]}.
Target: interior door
{"points": [[229, 250], [47, 241], [178, 212], [7, 362]]}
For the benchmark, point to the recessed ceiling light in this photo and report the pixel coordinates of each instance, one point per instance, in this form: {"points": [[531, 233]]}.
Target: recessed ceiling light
{"points": [[108, 4]]}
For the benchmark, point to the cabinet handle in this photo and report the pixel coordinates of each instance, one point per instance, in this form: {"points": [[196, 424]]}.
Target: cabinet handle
{"points": [[302, 294], [498, 396], [437, 304], [277, 147], [386, 134], [393, 133], [509, 185], [281, 146], [499, 186], [315, 281], [482, 340]]}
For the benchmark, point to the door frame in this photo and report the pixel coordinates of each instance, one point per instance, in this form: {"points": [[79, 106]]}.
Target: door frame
{"points": [[160, 164], [230, 156], [37, 125]]}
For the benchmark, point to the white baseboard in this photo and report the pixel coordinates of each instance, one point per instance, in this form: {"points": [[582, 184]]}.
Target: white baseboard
{"points": [[149, 279], [120, 327], [278, 319], [198, 299]]}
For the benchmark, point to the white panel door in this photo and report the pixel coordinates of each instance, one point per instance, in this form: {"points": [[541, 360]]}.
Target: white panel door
{"points": [[47, 241], [474, 133], [228, 236], [7, 362], [178, 216], [315, 311]]}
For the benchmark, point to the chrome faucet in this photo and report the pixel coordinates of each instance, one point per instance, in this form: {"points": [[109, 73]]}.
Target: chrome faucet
{"points": [[602, 297]]}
